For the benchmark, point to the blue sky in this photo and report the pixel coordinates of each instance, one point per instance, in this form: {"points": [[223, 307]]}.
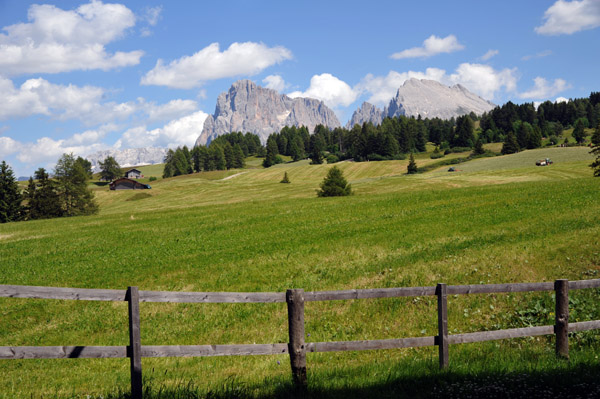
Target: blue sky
{"points": [[80, 76]]}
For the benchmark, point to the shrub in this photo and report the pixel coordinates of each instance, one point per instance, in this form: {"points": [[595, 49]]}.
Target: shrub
{"points": [[152, 178], [285, 179], [332, 158], [334, 184]]}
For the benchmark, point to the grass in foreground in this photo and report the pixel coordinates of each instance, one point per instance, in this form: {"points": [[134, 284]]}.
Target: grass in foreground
{"points": [[251, 233]]}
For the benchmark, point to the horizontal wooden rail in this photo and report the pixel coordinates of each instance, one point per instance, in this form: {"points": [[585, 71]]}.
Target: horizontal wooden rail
{"points": [[91, 294], [61, 352]]}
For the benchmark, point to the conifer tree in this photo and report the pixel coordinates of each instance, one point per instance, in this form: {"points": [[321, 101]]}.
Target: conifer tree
{"points": [[285, 179], [510, 145], [238, 157], [76, 198], [10, 197], [110, 169], [334, 184], [412, 165], [596, 151], [478, 147]]}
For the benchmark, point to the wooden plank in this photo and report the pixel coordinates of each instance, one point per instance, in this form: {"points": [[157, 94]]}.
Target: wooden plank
{"points": [[213, 350], [62, 352], [135, 343], [341, 346], [584, 326], [498, 288], [297, 349], [368, 293], [500, 334], [442, 339], [582, 284], [561, 311], [85, 294], [212, 297]]}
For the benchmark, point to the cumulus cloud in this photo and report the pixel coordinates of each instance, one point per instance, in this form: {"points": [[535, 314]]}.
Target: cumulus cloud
{"points": [[55, 40], [484, 80], [171, 110], [329, 89], [40, 97], [210, 63], [179, 132], [151, 16], [567, 17], [561, 100], [86, 103], [46, 150], [274, 82], [8, 146], [543, 89], [488, 55], [431, 46]]}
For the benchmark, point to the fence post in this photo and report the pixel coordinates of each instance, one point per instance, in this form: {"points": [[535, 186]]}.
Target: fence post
{"points": [[135, 344], [561, 328], [296, 347], [442, 338]]}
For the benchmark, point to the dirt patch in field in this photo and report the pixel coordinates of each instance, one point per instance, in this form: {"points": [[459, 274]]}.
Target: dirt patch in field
{"points": [[5, 236]]}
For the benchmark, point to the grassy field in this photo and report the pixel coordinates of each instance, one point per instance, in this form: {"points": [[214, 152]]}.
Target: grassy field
{"points": [[498, 220]]}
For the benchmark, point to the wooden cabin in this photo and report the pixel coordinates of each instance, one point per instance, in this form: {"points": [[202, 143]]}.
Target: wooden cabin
{"points": [[133, 174], [128, 184]]}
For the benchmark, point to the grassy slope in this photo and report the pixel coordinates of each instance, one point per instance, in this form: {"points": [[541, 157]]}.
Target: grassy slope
{"points": [[250, 233]]}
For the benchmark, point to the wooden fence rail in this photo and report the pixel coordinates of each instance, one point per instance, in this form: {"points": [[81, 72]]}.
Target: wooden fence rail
{"points": [[295, 299]]}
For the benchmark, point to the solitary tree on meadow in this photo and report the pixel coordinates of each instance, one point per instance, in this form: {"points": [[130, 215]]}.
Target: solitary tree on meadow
{"points": [[334, 184], [109, 169], [412, 165]]}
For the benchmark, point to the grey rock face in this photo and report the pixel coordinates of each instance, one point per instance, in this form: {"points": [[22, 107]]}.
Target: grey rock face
{"points": [[427, 98], [247, 107], [366, 113], [129, 157], [431, 99]]}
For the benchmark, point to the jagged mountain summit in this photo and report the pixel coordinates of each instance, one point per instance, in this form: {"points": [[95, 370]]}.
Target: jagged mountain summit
{"points": [[129, 157], [247, 107], [366, 113], [427, 98]]}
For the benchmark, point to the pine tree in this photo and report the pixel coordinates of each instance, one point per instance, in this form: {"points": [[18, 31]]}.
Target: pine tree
{"points": [[76, 197], [272, 151], [478, 147], [510, 146], [238, 157], [42, 197], [317, 145], [110, 169], [579, 131], [596, 151], [412, 165], [285, 179], [334, 184], [10, 197]]}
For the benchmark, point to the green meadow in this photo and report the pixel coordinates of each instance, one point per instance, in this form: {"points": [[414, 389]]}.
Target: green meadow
{"points": [[495, 220]]}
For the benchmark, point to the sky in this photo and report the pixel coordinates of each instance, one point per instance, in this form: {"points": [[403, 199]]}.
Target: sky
{"points": [[79, 77]]}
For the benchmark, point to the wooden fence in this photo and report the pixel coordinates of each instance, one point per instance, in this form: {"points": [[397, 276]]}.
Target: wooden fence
{"points": [[295, 299]]}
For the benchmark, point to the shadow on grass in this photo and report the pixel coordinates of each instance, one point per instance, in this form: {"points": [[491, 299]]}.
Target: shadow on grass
{"points": [[579, 381], [101, 183]]}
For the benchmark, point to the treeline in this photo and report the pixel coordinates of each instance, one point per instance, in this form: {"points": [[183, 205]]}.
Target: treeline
{"points": [[64, 194], [225, 152]]}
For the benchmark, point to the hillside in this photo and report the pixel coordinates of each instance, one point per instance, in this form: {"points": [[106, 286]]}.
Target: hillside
{"points": [[250, 233]]}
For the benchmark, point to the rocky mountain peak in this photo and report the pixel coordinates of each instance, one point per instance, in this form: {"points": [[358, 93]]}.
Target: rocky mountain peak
{"points": [[247, 107]]}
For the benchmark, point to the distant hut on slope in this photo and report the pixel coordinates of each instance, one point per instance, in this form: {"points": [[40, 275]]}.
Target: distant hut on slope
{"points": [[133, 174], [128, 184]]}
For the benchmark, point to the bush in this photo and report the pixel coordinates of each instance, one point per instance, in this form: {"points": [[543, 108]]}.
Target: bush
{"points": [[285, 179], [334, 184], [152, 178], [332, 158]]}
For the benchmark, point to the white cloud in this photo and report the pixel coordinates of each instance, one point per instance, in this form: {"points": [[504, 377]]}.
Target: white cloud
{"points": [[46, 150], [171, 110], [40, 97], [179, 132], [210, 63], [274, 82], [56, 40], [541, 54], [8, 146], [567, 17], [383, 88], [151, 16], [484, 80], [431, 46], [543, 89], [329, 89], [488, 55], [561, 100]]}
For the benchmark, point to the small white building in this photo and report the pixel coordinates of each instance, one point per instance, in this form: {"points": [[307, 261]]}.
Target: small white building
{"points": [[133, 174]]}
